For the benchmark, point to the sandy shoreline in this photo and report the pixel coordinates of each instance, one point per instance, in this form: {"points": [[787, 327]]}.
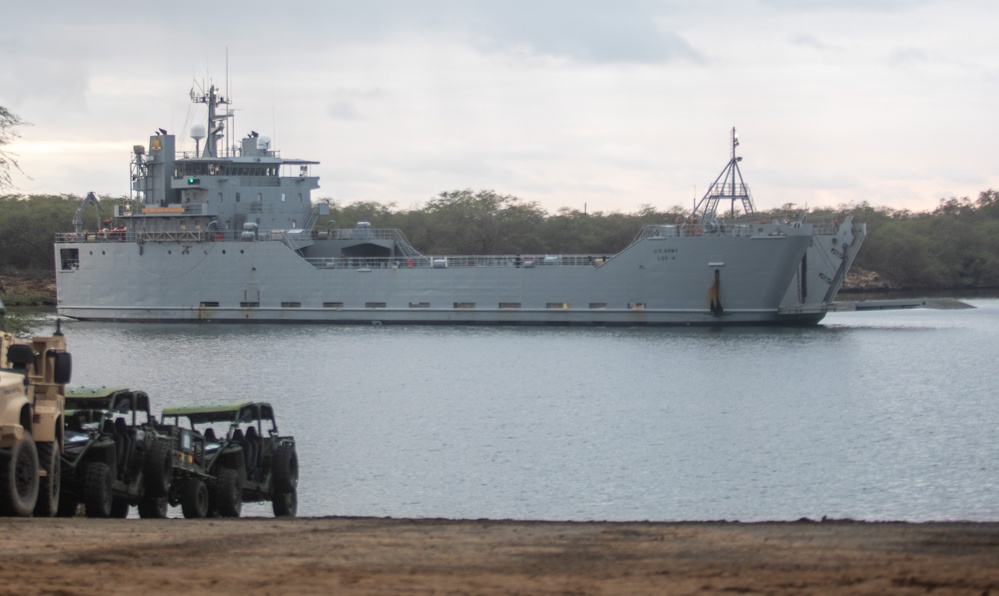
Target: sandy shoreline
{"points": [[368, 555]]}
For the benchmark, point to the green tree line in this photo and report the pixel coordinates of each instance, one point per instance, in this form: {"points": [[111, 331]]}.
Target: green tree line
{"points": [[953, 246]]}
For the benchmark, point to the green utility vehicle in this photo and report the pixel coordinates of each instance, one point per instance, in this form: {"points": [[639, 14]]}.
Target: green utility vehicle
{"points": [[230, 454], [114, 457]]}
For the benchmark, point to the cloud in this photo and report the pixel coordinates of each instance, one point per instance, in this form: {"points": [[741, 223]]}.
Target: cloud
{"points": [[904, 57], [856, 6], [622, 32], [627, 31], [343, 109], [53, 80], [813, 42], [565, 102]]}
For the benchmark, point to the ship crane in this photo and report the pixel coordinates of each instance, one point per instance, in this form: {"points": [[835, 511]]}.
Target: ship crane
{"points": [[78, 217]]}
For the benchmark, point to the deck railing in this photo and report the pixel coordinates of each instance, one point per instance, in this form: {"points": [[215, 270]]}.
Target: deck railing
{"points": [[693, 228], [140, 237], [512, 261]]}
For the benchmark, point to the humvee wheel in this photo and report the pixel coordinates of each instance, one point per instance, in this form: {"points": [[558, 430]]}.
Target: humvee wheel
{"points": [[49, 486], [285, 504], [20, 355], [68, 505], [19, 478], [119, 508], [62, 367], [195, 502], [153, 507], [97, 496], [158, 469], [285, 468], [228, 494]]}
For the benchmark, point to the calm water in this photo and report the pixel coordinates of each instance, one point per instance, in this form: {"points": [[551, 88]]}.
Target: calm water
{"points": [[874, 416]]}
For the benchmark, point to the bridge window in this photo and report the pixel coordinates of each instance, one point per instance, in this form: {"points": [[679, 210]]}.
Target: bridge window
{"points": [[69, 258]]}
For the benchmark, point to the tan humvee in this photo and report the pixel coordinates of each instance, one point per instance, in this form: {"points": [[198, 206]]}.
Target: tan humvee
{"points": [[33, 377]]}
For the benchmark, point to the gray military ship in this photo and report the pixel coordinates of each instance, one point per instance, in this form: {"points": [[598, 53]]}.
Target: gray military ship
{"points": [[229, 235]]}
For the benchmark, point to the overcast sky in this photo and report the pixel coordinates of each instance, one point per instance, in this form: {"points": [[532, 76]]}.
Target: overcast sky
{"points": [[608, 105]]}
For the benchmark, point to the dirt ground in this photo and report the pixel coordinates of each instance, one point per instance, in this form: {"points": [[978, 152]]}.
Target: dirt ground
{"points": [[27, 291], [368, 555]]}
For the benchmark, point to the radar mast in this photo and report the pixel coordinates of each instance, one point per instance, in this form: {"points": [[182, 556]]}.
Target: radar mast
{"points": [[728, 186], [216, 121]]}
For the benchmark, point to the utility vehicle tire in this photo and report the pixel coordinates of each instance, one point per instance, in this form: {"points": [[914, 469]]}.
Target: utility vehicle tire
{"points": [[228, 499], [49, 486], [285, 469], [119, 508], [97, 496], [153, 507], [285, 504], [62, 367], [20, 355], [68, 505], [195, 502], [19, 477], [157, 468]]}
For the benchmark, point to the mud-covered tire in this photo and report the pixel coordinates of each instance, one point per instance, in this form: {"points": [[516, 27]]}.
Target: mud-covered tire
{"points": [[285, 469], [153, 507], [157, 468], [19, 478], [68, 505], [48, 486], [285, 504], [195, 500], [119, 508], [228, 495], [97, 497]]}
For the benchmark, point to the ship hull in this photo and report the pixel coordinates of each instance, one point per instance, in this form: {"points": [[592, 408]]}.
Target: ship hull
{"points": [[654, 282]]}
